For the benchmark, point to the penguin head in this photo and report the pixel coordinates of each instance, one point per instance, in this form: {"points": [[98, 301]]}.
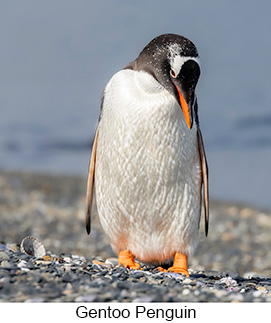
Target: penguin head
{"points": [[173, 61]]}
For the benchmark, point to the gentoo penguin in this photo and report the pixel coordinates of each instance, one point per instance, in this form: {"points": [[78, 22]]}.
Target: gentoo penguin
{"points": [[148, 163]]}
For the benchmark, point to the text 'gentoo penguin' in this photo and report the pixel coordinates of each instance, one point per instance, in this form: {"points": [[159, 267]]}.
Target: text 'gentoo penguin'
{"points": [[148, 162]]}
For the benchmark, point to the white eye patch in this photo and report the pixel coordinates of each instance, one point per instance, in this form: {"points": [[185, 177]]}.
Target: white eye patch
{"points": [[176, 60]]}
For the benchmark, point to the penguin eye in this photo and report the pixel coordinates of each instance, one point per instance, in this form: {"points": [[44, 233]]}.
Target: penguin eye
{"points": [[172, 73]]}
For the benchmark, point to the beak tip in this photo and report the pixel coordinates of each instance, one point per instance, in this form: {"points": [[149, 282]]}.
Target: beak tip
{"points": [[188, 123]]}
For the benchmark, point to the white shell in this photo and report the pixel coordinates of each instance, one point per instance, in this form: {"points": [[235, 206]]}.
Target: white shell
{"points": [[33, 247]]}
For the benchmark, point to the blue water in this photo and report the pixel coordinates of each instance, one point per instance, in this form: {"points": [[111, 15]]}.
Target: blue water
{"points": [[56, 57]]}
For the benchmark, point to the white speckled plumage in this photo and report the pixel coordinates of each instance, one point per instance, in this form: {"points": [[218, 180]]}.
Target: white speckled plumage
{"points": [[177, 61], [147, 170]]}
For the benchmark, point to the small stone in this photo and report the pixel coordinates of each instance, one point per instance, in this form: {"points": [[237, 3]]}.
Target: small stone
{"points": [[186, 291], [3, 247], [250, 275], [175, 275], [85, 298], [6, 264], [200, 283], [101, 263], [13, 247], [106, 297], [228, 281], [67, 259], [22, 264], [112, 261], [187, 281], [47, 258], [236, 297], [5, 280], [25, 257], [257, 293], [4, 256], [43, 262], [137, 274], [67, 292], [143, 299], [35, 300]]}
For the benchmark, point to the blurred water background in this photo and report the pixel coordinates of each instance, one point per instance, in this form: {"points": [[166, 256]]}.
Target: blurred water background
{"points": [[57, 55]]}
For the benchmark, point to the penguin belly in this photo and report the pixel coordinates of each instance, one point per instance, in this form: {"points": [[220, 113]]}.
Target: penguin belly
{"points": [[147, 175]]}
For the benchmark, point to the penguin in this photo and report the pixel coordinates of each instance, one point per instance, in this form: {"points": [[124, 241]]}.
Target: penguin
{"points": [[148, 165]]}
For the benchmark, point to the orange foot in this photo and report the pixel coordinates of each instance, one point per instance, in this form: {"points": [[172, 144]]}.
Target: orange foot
{"points": [[179, 265], [127, 260]]}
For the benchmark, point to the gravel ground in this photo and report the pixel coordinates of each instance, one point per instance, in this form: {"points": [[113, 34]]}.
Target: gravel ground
{"points": [[231, 265]]}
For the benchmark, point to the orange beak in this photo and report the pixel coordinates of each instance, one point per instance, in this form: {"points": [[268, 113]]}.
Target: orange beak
{"points": [[185, 108]]}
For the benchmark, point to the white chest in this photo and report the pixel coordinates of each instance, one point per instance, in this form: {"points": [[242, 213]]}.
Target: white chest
{"points": [[141, 119]]}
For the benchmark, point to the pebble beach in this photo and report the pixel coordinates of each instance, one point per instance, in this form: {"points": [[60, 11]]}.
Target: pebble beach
{"points": [[233, 264]]}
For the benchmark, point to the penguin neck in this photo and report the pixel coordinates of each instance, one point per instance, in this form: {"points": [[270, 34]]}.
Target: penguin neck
{"points": [[147, 83]]}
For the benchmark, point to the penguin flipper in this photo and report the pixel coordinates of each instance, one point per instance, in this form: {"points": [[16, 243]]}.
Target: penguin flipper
{"points": [[90, 183], [204, 178]]}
